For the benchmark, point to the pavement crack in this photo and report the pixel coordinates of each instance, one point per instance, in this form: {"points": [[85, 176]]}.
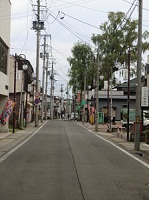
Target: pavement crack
{"points": [[118, 184], [81, 189]]}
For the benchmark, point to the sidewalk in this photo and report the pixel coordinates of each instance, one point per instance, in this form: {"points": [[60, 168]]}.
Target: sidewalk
{"points": [[9, 140], [120, 139]]}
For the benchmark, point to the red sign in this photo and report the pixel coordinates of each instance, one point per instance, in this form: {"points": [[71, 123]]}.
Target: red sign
{"points": [[79, 97], [37, 94]]}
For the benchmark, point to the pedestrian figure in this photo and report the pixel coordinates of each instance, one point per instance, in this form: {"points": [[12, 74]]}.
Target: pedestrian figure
{"points": [[68, 116], [62, 116]]}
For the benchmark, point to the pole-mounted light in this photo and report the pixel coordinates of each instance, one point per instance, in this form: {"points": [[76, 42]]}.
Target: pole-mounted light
{"points": [[22, 63]]}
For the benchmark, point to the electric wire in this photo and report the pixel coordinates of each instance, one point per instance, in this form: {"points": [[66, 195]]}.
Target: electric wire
{"points": [[59, 66], [31, 2], [131, 9], [7, 18], [131, 3], [71, 4], [75, 29], [61, 53], [26, 41], [125, 17], [70, 30], [81, 21]]}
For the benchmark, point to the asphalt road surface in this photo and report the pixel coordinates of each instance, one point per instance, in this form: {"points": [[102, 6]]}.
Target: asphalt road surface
{"points": [[64, 161]]}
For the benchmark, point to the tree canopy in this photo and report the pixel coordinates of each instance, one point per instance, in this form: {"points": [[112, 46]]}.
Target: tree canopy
{"points": [[115, 40], [116, 37], [82, 64]]}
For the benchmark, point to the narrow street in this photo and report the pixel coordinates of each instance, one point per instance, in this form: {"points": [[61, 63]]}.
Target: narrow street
{"points": [[64, 161]]}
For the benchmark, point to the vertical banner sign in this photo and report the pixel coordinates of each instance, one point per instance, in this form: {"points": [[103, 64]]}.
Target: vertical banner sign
{"points": [[144, 97], [78, 97], [7, 111]]}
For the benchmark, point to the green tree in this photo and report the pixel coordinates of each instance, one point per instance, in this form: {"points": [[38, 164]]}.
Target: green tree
{"points": [[115, 39], [82, 64]]}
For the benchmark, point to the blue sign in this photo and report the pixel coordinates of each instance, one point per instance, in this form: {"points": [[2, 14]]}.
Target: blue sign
{"points": [[36, 101]]}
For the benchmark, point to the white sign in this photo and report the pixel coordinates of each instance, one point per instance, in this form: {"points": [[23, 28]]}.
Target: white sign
{"points": [[29, 88], [144, 97], [37, 94]]}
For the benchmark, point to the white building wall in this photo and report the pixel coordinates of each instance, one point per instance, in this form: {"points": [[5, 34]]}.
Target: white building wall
{"points": [[122, 74], [5, 16]]}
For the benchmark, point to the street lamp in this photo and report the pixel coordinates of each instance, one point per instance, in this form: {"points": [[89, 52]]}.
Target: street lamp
{"points": [[89, 87], [21, 62], [84, 97], [25, 67]]}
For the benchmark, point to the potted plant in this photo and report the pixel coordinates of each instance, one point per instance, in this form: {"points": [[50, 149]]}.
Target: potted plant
{"points": [[146, 133]]}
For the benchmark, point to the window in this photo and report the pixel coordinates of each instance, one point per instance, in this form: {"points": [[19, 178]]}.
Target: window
{"points": [[3, 56]]}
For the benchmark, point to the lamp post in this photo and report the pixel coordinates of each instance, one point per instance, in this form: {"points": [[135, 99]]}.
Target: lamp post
{"points": [[89, 87], [22, 62], [14, 97], [25, 67], [84, 97]]}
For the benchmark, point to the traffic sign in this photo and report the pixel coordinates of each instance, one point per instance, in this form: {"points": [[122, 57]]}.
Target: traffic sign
{"points": [[37, 94], [37, 101]]}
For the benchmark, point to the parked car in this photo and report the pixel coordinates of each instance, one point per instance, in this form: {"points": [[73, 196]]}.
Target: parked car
{"points": [[74, 115]]}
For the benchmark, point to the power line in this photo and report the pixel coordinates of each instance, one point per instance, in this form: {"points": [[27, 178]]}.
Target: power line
{"points": [[131, 3], [61, 53], [80, 21], [3, 19], [72, 4], [70, 30], [125, 17]]}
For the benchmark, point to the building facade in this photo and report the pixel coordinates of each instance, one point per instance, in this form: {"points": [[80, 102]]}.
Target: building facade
{"points": [[5, 10], [23, 92]]}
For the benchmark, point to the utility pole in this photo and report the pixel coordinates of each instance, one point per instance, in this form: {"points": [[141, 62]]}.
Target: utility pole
{"points": [[111, 109], [61, 106], [138, 92], [52, 86], [47, 57], [14, 97], [36, 26], [68, 102], [43, 79], [97, 91], [128, 97]]}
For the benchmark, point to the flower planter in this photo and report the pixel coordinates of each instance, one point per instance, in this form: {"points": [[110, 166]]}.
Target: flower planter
{"points": [[147, 140], [146, 133]]}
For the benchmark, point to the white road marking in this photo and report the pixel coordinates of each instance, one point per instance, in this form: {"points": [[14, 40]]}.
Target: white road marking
{"points": [[124, 151], [18, 146]]}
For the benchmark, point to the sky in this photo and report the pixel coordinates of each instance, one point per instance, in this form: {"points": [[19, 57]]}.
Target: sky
{"points": [[67, 21]]}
